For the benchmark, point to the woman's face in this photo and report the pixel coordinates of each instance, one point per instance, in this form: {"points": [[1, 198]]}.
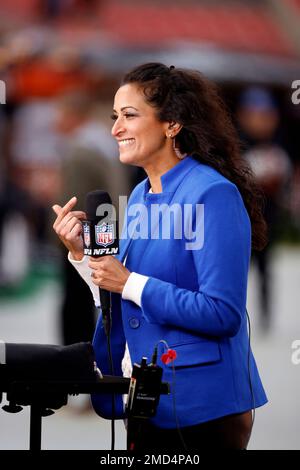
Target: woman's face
{"points": [[140, 135]]}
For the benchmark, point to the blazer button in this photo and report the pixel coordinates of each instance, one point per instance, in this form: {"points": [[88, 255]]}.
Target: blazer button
{"points": [[134, 322]]}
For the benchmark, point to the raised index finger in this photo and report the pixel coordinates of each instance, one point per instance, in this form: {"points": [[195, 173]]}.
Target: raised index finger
{"points": [[66, 209]]}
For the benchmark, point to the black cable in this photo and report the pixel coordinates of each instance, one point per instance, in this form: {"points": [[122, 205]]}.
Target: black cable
{"points": [[175, 412], [154, 360], [154, 356], [249, 371], [111, 366], [250, 386]]}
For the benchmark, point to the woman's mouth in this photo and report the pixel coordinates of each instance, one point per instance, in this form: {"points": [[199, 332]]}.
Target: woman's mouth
{"points": [[126, 142]]}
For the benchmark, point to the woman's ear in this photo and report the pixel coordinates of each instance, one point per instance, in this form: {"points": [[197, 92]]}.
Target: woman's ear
{"points": [[174, 127]]}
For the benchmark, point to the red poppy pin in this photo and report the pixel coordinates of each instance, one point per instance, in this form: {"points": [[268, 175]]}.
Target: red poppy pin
{"points": [[169, 356]]}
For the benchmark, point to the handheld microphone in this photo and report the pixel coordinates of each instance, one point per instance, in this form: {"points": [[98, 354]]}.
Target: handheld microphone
{"points": [[100, 238]]}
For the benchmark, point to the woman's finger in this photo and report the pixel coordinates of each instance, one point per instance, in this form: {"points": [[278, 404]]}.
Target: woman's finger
{"points": [[68, 227], [78, 214], [61, 212], [72, 215], [57, 209], [101, 261], [111, 286], [75, 232]]}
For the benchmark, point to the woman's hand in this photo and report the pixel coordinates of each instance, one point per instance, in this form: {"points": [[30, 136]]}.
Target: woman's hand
{"points": [[108, 273], [68, 227]]}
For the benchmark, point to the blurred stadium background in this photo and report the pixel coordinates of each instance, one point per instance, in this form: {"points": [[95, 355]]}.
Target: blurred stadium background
{"points": [[61, 62]]}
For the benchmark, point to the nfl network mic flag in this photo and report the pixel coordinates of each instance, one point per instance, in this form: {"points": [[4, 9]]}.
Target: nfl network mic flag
{"points": [[100, 239]]}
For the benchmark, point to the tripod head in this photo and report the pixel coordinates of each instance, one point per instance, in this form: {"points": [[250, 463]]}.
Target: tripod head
{"points": [[24, 366]]}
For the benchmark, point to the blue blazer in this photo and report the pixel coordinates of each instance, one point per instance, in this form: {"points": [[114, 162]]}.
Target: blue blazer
{"points": [[195, 299]]}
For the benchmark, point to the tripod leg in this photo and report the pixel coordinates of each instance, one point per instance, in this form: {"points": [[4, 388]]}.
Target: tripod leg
{"points": [[134, 433], [35, 427]]}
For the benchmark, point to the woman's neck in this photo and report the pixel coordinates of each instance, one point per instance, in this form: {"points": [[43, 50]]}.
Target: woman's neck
{"points": [[155, 172]]}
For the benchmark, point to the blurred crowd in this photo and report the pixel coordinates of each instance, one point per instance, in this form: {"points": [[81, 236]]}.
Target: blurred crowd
{"points": [[55, 142], [263, 147]]}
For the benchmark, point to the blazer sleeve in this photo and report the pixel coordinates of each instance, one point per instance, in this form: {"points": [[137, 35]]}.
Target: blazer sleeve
{"points": [[217, 307]]}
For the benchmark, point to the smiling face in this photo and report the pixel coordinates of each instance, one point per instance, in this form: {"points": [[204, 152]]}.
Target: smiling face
{"points": [[140, 135]]}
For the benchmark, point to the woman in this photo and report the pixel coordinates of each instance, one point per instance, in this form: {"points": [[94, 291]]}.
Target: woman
{"points": [[189, 293]]}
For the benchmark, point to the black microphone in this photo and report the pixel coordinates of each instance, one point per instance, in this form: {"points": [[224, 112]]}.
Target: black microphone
{"points": [[100, 238]]}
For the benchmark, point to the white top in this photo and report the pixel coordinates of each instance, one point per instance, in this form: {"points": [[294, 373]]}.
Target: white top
{"points": [[2, 352], [132, 290]]}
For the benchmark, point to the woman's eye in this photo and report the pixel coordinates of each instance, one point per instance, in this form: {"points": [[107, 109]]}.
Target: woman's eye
{"points": [[114, 117]]}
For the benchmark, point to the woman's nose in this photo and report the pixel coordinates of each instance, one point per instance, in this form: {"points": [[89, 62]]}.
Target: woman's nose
{"points": [[117, 128]]}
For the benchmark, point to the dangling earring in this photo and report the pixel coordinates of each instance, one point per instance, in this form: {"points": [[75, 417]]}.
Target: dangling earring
{"points": [[179, 155]]}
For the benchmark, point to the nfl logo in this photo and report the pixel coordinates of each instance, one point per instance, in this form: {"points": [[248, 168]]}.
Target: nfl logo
{"points": [[86, 235], [104, 234]]}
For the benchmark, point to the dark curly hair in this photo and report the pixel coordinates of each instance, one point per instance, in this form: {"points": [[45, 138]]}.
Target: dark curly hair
{"points": [[207, 134]]}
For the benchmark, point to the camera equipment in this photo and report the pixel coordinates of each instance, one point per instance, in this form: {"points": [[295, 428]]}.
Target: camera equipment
{"points": [[144, 390], [42, 376]]}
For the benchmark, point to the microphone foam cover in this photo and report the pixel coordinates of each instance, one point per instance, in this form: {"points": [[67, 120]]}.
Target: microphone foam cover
{"points": [[94, 199]]}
